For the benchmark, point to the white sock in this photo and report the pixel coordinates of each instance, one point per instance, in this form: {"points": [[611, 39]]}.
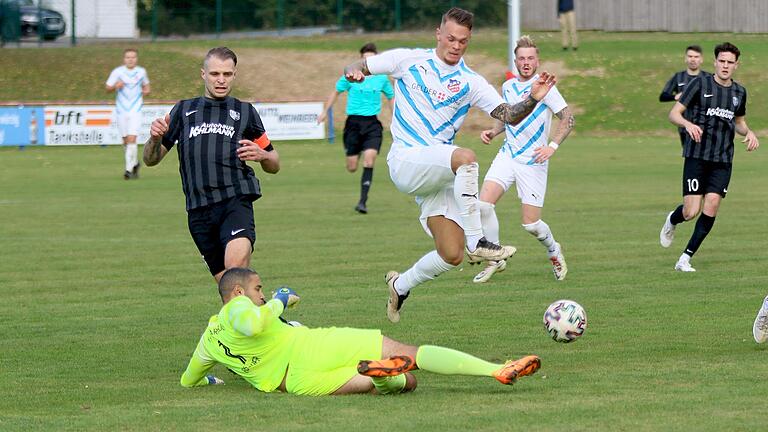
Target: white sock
{"points": [[490, 221], [465, 192], [543, 234], [426, 268], [684, 258], [131, 156]]}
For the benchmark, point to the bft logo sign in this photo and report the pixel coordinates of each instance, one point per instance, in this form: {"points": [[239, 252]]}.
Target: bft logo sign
{"points": [[68, 118]]}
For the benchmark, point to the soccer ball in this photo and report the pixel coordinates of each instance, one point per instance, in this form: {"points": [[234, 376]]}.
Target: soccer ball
{"points": [[565, 320]]}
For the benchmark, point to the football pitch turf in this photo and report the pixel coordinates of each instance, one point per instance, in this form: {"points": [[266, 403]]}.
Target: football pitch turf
{"points": [[105, 297]]}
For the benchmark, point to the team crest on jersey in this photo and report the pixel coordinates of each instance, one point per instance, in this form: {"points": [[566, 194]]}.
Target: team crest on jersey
{"points": [[735, 101], [454, 85], [234, 114]]}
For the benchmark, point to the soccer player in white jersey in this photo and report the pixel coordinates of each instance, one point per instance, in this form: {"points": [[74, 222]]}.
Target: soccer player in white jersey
{"points": [[524, 159], [131, 84], [434, 90]]}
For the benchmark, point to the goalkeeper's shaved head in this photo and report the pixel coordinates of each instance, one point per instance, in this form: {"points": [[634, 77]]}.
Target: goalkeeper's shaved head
{"points": [[231, 278]]}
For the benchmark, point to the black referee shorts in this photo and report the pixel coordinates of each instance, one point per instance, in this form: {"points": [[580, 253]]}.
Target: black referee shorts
{"points": [[362, 133], [701, 177], [213, 226]]}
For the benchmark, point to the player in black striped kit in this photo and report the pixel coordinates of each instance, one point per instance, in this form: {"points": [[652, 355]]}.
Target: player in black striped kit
{"points": [[718, 108], [673, 89], [216, 134]]}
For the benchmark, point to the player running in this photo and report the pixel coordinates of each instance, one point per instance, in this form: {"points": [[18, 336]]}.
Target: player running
{"points": [[216, 135], [362, 130], [524, 160], [718, 109], [673, 89], [131, 84], [248, 337], [434, 89]]}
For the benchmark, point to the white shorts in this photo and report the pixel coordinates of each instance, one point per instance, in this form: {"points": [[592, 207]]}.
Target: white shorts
{"points": [[531, 180], [129, 123], [425, 172]]}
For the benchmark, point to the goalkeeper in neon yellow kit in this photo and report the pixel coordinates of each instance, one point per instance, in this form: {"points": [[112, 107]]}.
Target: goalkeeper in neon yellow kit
{"points": [[248, 337]]}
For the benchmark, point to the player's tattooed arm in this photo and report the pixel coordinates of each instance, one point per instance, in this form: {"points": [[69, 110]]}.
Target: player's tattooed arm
{"points": [[514, 114], [154, 152], [357, 71], [566, 125]]}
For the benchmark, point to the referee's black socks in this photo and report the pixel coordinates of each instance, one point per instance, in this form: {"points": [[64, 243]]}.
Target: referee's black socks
{"points": [[365, 184], [703, 226]]}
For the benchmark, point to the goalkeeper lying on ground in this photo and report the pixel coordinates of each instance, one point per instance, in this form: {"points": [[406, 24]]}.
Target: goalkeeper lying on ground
{"points": [[249, 338]]}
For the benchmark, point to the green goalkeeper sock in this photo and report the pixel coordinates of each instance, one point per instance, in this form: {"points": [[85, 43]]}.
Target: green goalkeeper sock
{"points": [[447, 361], [389, 385]]}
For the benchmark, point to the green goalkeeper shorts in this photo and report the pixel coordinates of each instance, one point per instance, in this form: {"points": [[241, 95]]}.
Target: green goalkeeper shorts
{"points": [[324, 359]]}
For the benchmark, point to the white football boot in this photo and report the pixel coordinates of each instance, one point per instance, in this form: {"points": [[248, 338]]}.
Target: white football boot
{"points": [[488, 251], [684, 264], [667, 232], [760, 327], [490, 269], [559, 267]]}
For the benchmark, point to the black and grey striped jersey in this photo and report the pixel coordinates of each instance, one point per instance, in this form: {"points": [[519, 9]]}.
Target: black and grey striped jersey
{"points": [[676, 85], [207, 132], [713, 108]]}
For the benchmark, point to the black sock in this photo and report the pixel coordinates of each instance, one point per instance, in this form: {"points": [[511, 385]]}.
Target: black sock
{"points": [[703, 226], [365, 184], [677, 216]]}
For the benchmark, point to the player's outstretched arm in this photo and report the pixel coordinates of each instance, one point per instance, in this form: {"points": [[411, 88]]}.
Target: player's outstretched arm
{"points": [[199, 364], [514, 114], [357, 71], [750, 139], [154, 151], [328, 104]]}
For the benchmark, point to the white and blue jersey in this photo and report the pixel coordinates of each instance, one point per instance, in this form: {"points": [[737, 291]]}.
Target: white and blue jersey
{"points": [[432, 98], [130, 98], [533, 131]]}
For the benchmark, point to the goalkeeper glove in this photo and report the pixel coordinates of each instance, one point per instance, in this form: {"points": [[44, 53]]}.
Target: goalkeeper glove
{"points": [[287, 296]]}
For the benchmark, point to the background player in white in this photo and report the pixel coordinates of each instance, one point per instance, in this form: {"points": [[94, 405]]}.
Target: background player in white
{"points": [[434, 90], [524, 160], [131, 83]]}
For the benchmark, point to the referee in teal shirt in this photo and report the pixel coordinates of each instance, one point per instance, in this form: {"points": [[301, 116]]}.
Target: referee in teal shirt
{"points": [[362, 130]]}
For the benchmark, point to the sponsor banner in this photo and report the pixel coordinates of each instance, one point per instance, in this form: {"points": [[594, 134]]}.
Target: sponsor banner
{"points": [[291, 121], [20, 126], [97, 124], [93, 124]]}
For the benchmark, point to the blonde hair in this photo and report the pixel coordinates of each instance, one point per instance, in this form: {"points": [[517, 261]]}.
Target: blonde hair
{"points": [[525, 41]]}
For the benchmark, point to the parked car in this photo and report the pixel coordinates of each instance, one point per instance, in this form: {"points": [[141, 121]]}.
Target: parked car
{"points": [[53, 24]]}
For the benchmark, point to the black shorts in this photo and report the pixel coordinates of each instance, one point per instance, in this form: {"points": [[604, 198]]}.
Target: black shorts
{"points": [[213, 226], [701, 177], [362, 133]]}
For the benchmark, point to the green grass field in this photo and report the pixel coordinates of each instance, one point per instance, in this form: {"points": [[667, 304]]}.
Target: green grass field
{"points": [[106, 296]]}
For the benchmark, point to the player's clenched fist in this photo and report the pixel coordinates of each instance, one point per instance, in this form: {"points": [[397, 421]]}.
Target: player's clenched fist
{"points": [[287, 296], [159, 126]]}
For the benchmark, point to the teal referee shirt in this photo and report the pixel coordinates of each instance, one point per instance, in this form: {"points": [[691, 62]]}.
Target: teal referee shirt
{"points": [[364, 98]]}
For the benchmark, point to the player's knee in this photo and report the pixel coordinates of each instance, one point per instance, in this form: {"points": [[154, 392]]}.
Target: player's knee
{"points": [[453, 258], [690, 213], [464, 156]]}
